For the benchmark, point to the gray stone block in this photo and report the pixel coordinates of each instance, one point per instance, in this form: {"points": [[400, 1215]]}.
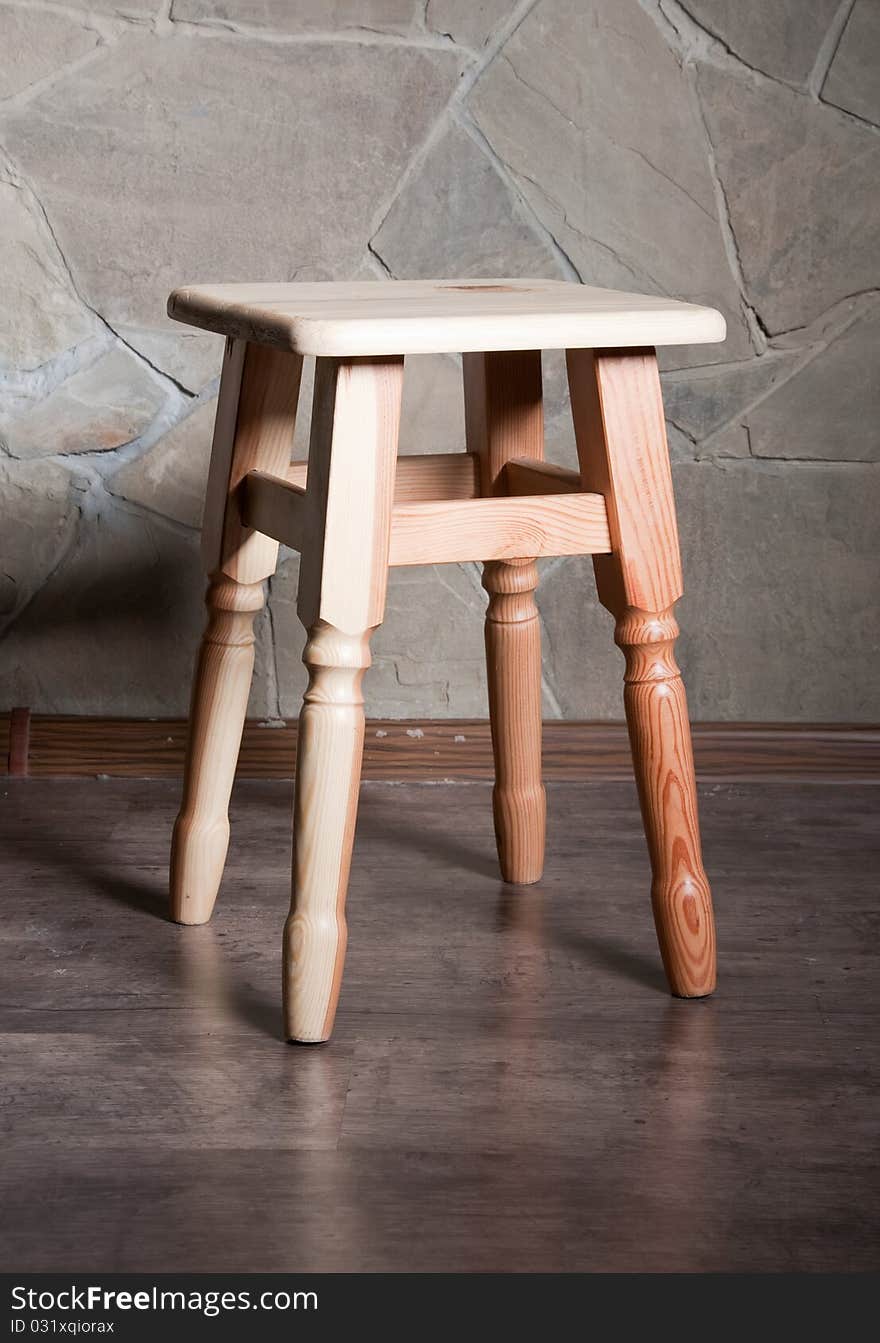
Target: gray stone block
{"points": [[36, 43], [191, 358], [44, 317], [428, 658], [830, 409], [428, 655], [302, 428], [432, 414], [700, 401], [124, 9], [853, 80], [170, 477], [456, 217], [800, 180], [304, 16], [581, 663], [782, 37], [779, 619], [472, 22], [622, 180], [243, 159], [105, 406], [39, 520], [116, 628], [290, 637]]}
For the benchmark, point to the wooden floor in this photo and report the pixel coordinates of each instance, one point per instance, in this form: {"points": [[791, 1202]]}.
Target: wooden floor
{"points": [[510, 1088]]}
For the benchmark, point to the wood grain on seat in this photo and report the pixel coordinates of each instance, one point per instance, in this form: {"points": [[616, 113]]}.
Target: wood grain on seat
{"points": [[433, 316]]}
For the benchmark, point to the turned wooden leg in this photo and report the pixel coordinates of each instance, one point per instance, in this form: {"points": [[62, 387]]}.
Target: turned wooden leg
{"points": [[219, 703], [513, 663], [504, 420], [259, 388], [618, 416], [660, 737], [343, 576], [328, 768]]}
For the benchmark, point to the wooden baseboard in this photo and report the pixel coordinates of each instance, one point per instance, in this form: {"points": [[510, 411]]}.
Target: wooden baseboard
{"points": [[49, 746]]}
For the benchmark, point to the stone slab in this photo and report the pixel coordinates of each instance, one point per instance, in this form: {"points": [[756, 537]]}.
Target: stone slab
{"points": [[35, 289], [303, 16], [853, 80], [621, 180], [700, 401], [456, 217], [800, 181], [36, 43], [116, 628], [830, 409], [170, 477], [779, 619], [471, 22], [105, 406], [266, 140], [781, 38], [428, 658], [192, 358], [39, 520]]}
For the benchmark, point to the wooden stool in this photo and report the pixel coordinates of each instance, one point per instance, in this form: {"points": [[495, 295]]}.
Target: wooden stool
{"points": [[355, 508]]}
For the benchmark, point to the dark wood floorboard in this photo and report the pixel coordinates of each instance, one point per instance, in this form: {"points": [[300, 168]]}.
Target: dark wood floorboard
{"points": [[510, 1087]]}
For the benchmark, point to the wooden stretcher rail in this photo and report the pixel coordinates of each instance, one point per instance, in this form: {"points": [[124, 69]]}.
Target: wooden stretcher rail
{"points": [[522, 476], [277, 508], [448, 531], [497, 529], [439, 475]]}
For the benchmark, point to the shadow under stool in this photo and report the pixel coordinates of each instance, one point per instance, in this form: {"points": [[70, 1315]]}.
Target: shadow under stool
{"points": [[355, 508]]}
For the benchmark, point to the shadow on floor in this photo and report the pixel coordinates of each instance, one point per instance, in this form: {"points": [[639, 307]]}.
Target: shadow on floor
{"points": [[143, 891], [516, 905]]}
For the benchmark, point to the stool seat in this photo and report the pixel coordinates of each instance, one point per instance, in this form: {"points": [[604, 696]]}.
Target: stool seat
{"points": [[441, 316]]}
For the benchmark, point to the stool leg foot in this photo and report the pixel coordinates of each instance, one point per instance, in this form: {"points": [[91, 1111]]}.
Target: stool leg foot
{"points": [[219, 703], [328, 766], [660, 737], [513, 663]]}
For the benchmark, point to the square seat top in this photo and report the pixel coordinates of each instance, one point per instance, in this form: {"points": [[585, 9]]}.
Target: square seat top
{"points": [[393, 317]]}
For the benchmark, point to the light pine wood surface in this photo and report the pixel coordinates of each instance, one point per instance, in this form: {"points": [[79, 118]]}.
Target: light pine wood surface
{"points": [[328, 772], [450, 530], [369, 317], [526, 477], [621, 441], [253, 431], [436, 475], [343, 576], [352, 461], [504, 419], [498, 529], [254, 426], [278, 508], [221, 687]]}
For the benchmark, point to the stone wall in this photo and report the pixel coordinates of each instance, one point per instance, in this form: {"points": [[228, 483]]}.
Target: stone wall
{"points": [[725, 152]]}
